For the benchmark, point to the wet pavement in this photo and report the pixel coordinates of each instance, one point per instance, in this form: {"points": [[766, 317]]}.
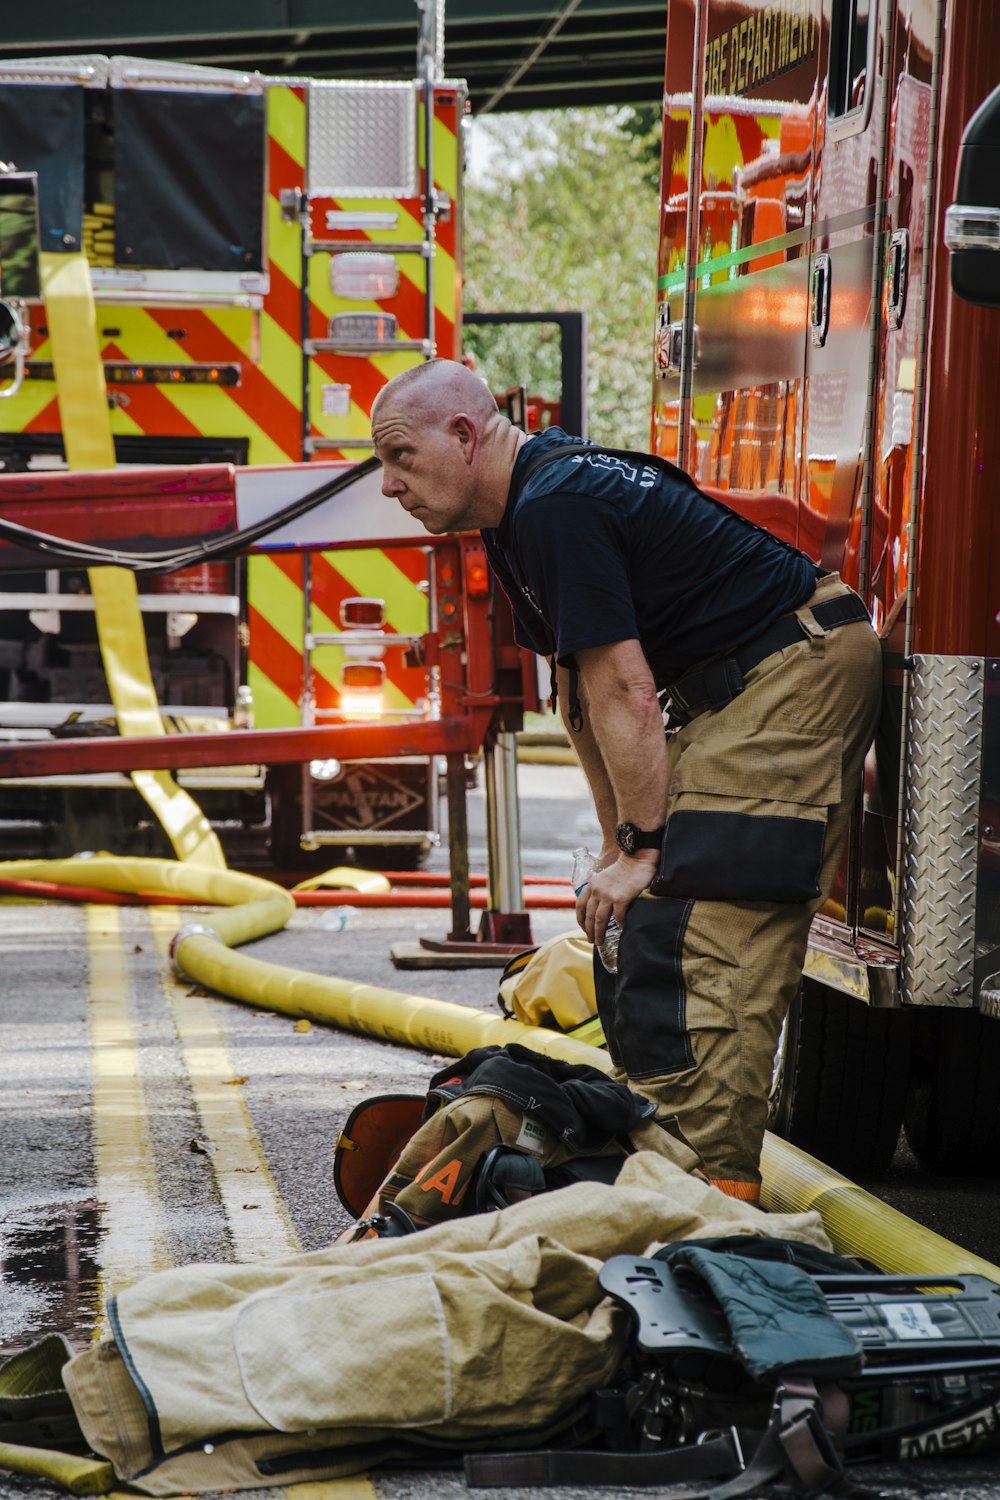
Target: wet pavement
{"points": [[144, 1124]]}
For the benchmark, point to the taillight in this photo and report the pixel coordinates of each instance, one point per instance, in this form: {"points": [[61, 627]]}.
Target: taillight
{"points": [[477, 574], [361, 695], [364, 675], [364, 328], [362, 614], [364, 275]]}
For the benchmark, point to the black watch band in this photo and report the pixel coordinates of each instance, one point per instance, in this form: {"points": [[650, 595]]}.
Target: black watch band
{"points": [[631, 839]]}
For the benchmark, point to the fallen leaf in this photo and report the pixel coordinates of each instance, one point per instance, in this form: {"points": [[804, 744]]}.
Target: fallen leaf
{"points": [[302, 1025], [243, 1078], [251, 1205]]}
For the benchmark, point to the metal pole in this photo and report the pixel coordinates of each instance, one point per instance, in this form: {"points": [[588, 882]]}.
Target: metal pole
{"points": [[307, 714], [458, 850], [430, 43], [492, 840], [304, 310], [431, 64], [573, 369], [503, 825], [695, 158]]}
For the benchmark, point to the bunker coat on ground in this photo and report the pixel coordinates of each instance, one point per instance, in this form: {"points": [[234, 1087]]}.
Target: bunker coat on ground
{"points": [[311, 1366]]}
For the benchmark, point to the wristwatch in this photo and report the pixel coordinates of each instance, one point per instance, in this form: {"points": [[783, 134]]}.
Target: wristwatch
{"points": [[630, 838]]}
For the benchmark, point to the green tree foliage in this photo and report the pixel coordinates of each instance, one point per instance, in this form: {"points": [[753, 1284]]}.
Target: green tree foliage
{"points": [[560, 215]]}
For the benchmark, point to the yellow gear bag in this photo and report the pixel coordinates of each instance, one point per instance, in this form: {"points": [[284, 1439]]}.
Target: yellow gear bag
{"points": [[552, 985]]}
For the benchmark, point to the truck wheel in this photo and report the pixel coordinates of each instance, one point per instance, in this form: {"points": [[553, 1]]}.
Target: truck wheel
{"points": [[952, 1115], [840, 1080]]}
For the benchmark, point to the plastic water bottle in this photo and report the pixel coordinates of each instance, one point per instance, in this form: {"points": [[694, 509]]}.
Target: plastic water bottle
{"points": [[335, 918], [583, 868], [243, 708]]}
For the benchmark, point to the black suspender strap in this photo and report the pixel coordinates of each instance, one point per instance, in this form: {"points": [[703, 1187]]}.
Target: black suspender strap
{"points": [[565, 450], [716, 1458]]}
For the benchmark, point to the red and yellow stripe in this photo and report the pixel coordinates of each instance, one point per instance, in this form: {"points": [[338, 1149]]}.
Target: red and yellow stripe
{"points": [[265, 408], [277, 617]]}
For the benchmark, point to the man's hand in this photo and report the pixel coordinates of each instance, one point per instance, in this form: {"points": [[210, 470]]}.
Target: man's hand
{"points": [[611, 891]]}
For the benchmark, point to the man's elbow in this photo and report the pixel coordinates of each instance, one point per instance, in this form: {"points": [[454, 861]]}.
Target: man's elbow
{"points": [[621, 677]]}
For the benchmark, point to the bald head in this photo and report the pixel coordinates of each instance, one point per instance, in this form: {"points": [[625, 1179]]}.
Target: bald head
{"points": [[437, 389], [446, 451]]}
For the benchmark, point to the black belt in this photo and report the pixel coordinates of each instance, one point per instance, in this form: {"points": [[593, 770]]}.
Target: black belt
{"points": [[722, 680]]}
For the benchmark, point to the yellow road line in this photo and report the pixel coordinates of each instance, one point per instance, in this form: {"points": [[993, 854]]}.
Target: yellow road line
{"points": [[239, 1162], [356, 1488], [135, 1239], [258, 1221]]}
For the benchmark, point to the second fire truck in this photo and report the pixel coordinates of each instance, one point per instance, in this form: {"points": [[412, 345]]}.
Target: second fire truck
{"points": [[264, 255]]}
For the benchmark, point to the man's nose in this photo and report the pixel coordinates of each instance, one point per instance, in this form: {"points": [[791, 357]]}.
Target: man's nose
{"points": [[391, 488]]}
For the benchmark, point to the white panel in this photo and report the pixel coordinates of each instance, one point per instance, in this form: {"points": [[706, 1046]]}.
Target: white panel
{"points": [[360, 514]]}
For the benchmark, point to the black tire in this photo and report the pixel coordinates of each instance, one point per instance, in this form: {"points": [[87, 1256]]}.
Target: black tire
{"points": [[840, 1084], [952, 1115]]}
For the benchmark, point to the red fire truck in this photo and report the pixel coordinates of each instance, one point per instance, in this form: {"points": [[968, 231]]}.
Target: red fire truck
{"points": [[827, 362]]}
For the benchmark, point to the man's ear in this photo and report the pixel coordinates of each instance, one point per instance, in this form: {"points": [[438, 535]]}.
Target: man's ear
{"points": [[465, 430]]}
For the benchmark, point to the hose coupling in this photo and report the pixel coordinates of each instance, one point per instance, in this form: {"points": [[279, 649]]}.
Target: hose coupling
{"points": [[191, 929]]}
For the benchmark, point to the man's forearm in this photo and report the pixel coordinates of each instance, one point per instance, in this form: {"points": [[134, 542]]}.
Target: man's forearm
{"points": [[588, 753], [623, 715], [624, 718]]}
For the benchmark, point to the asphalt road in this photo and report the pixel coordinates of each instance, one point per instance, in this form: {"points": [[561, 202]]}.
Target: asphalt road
{"points": [[145, 1124]]}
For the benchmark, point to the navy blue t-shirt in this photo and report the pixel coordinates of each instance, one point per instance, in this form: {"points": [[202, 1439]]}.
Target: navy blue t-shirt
{"points": [[597, 549]]}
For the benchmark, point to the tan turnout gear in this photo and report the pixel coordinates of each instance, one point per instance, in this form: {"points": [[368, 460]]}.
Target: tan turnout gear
{"points": [[694, 1014], [315, 1365], [437, 1168]]}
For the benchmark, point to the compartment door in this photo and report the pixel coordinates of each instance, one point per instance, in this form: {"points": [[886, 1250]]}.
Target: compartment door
{"points": [[731, 352], [842, 351]]}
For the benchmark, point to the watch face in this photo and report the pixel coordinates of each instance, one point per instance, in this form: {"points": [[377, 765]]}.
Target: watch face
{"points": [[627, 835]]}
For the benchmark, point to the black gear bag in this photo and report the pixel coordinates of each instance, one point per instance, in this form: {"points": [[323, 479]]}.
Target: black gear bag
{"points": [[759, 1360]]}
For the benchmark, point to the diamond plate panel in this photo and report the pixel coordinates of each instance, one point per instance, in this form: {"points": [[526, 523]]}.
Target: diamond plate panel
{"points": [[941, 822], [140, 72], [90, 70], [362, 140]]}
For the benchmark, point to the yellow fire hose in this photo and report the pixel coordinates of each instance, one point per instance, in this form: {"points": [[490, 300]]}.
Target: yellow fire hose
{"points": [[83, 411], [856, 1221], [81, 1476]]}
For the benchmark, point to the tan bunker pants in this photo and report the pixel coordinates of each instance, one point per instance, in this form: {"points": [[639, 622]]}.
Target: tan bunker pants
{"points": [[765, 787]]}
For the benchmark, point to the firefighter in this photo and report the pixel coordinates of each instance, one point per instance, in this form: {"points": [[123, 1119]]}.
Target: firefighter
{"points": [[640, 588]]}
